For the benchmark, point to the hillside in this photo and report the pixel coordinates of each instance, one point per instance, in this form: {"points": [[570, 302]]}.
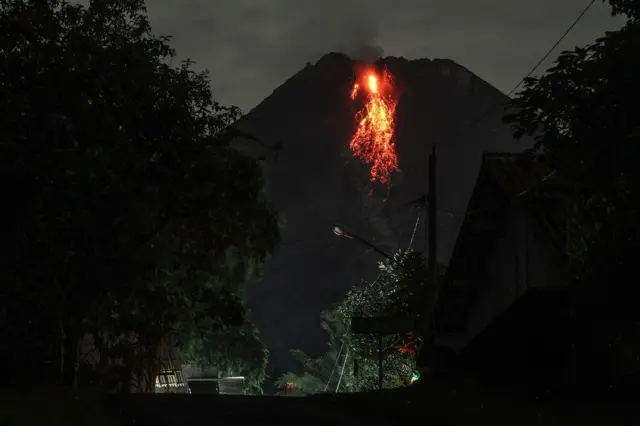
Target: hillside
{"points": [[315, 182]]}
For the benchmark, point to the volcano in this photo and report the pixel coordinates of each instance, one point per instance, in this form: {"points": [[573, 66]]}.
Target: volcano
{"points": [[316, 181]]}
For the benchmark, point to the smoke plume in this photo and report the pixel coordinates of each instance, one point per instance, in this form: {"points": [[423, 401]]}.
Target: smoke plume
{"points": [[364, 52], [358, 39]]}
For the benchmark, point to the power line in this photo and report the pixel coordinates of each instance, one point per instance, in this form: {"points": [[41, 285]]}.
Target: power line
{"points": [[529, 74], [415, 228], [374, 282], [556, 44], [488, 111], [372, 219], [335, 365], [379, 216], [344, 364]]}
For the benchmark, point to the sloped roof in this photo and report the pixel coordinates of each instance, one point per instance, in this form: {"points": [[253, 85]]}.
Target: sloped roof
{"points": [[488, 198], [468, 257], [504, 179]]}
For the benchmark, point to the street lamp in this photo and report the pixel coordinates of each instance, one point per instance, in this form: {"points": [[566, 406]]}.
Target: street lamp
{"points": [[342, 233], [339, 232], [376, 325]]}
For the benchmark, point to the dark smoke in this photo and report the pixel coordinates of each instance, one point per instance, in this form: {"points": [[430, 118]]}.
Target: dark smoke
{"points": [[358, 40], [365, 53]]}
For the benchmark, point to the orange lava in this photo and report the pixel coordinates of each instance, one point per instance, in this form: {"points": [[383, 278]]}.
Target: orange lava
{"points": [[373, 140]]}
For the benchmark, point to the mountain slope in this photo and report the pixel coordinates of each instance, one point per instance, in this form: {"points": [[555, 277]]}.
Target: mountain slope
{"points": [[315, 182]]}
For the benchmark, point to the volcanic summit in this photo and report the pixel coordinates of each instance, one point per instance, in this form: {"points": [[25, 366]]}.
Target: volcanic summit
{"points": [[322, 176]]}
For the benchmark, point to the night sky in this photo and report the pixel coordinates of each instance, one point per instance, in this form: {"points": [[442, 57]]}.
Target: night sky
{"points": [[253, 46]]}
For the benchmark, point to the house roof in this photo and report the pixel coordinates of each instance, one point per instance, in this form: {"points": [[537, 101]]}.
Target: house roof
{"points": [[487, 200], [503, 180], [483, 215]]}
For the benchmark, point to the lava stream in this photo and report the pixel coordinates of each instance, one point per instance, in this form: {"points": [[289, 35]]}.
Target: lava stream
{"points": [[373, 140]]}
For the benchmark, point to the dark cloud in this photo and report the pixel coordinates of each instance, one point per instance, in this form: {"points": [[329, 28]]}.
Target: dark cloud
{"points": [[252, 46]]}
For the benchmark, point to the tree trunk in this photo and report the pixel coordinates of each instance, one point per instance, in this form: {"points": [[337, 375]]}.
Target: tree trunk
{"points": [[127, 379], [153, 354], [150, 377], [102, 368], [70, 358]]}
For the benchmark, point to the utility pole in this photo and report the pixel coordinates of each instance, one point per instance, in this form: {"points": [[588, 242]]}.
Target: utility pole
{"points": [[432, 228], [431, 289]]}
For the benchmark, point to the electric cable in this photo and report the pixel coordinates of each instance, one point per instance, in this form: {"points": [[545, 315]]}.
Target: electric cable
{"points": [[373, 218], [378, 217], [464, 129], [335, 365], [415, 228], [344, 364], [555, 45]]}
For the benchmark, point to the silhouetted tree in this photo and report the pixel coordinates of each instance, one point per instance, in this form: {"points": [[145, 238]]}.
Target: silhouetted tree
{"points": [[321, 374], [397, 292], [583, 114], [128, 210]]}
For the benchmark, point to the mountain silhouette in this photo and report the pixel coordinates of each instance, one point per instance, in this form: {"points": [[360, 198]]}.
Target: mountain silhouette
{"points": [[314, 181]]}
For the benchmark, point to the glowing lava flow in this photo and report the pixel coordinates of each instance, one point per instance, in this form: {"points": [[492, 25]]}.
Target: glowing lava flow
{"points": [[373, 140]]}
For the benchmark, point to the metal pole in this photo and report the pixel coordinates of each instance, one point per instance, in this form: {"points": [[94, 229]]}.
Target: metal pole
{"points": [[344, 364], [433, 254], [431, 283], [380, 361], [433, 207]]}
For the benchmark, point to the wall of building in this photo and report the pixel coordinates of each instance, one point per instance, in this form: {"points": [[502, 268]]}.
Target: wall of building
{"points": [[515, 331], [519, 259], [170, 378], [166, 353]]}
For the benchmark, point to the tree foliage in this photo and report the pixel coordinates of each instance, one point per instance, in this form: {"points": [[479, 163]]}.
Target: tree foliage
{"points": [[584, 118], [397, 292], [237, 351], [319, 374], [129, 209]]}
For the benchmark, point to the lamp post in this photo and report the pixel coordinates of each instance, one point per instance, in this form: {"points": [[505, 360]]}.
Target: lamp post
{"points": [[342, 233], [380, 326]]}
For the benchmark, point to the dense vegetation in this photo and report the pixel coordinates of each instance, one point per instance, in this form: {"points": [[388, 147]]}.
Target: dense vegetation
{"points": [[351, 362], [129, 213], [583, 114]]}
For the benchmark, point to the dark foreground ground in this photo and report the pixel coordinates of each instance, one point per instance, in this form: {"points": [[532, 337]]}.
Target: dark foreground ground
{"points": [[434, 405]]}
